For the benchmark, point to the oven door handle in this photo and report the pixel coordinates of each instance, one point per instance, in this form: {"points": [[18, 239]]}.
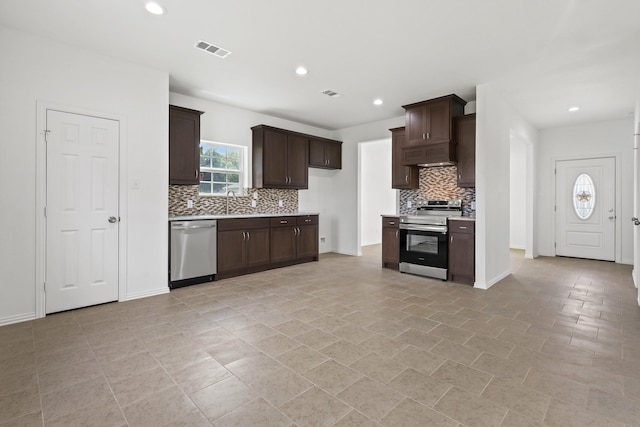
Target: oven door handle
{"points": [[432, 228]]}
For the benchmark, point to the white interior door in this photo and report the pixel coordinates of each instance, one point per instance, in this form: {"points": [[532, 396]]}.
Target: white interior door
{"points": [[585, 208], [81, 211]]}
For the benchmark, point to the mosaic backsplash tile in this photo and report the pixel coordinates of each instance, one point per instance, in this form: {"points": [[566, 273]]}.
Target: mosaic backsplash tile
{"points": [[438, 183], [267, 202]]}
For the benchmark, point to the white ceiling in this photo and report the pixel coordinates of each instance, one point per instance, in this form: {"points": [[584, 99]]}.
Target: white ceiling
{"points": [[544, 55]]}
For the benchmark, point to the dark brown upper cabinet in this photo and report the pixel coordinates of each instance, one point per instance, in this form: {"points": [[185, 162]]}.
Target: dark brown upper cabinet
{"points": [[402, 177], [465, 135], [280, 158], [429, 131], [325, 153], [184, 146]]}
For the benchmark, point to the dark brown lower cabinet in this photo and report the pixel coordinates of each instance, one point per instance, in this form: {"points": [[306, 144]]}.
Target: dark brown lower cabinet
{"points": [[248, 245], [462, 247], [390, 242]]}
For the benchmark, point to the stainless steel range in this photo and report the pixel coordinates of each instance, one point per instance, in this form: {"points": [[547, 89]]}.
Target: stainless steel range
{"points": [[423, 238]]}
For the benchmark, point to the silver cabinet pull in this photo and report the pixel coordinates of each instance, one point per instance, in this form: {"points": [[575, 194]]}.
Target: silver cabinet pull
{"points": [[392, 223], [397, 233], [462, 228], [406, 179], [248, 235], [244, 236], [112, 219], [284, 221], [428, 136], [307, 220], [424, 136], [196, 171]]}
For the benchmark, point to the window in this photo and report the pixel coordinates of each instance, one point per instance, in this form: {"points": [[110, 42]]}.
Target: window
{"points": [[221, 168], [584, 196]]}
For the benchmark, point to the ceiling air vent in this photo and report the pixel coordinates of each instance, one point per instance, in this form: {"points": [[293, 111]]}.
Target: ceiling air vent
{"points": [[331, 93], [213, 49]]}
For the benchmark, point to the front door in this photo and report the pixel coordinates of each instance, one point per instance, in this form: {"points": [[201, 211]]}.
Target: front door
{"points": [[585, 208], [81, 211]]}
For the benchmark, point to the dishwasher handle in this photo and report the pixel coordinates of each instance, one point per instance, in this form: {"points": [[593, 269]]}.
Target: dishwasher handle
{"points": [[186, 226]]}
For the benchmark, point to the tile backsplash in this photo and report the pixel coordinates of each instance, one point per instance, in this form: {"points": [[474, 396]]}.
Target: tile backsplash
{"points": [[438, 183], [266, 202]]}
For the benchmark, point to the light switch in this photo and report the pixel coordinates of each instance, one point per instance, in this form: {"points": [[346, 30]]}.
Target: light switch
{"points": [[280, 204], [473, 206], [253, 203], [408, 203], [190, 204], [255, 195], [135, 183]]}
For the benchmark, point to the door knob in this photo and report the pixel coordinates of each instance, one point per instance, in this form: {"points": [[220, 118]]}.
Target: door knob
{"points": [[612, 217], [113, 219], [635, 221]]}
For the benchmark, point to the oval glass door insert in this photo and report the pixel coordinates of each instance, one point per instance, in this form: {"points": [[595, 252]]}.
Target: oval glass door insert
{"points": [[584, 196]]}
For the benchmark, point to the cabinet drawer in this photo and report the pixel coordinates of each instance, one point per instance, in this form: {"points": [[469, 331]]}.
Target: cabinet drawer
{"points": [[390, 221], [283, 221], [307, 220], [242, 223], [462, 226]]}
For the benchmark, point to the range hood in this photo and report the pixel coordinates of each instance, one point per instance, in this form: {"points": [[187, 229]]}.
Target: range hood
{"points": [[430, 155]]}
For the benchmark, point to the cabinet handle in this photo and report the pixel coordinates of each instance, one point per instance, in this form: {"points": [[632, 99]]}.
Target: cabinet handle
{"points": [[452, 238], [397, 231], [244, 236], [248, 235], [424, 136], [284, 221], [406, 179], [462, 228], [307, 220], [392, 223], [428, 136], [196, 171]]}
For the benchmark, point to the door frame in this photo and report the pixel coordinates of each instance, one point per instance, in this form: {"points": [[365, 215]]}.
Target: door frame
{"points": [[618, 195], [41, 196]]}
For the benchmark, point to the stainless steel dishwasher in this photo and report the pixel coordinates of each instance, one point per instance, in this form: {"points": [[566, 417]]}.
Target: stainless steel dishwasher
{"points": [[193, 252]]}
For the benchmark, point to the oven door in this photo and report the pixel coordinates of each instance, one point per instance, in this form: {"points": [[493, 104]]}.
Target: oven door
{"points": [[424, 245]]}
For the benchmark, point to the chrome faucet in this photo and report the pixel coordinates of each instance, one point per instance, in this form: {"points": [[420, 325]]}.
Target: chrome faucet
{"points": [[234, 196]]}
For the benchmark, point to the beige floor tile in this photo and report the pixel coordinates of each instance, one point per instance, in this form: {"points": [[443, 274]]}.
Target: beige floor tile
{"points": [[18, 404], [315, 407], [353, 333], [523, 340], [293, 327], [231, 351], [378, 368], [200, 375], [419, 360], [344, 352], [483, 328], [514, 419], [489, 345], [301, 359], [255, 333], [280, 386], [614, 407], [451, 333], [277, 344], [456, 352], [412, 414], [383, 345], [332, 376], [355, 419], [328, 323], [252, 368], [388, 329], [140, 386], [419, 339], [13, 381], [123, 368], [222, 397], [469, 409], [419, 386], [508, 323], [158, 409], [521, 399], [101, 414], [30, 420], [558, 387], [502, 368], [561, 414], [462, 376], [73, 398], [450, 319], [631, 388], [258, 412], [370, 398], [68, 376]]}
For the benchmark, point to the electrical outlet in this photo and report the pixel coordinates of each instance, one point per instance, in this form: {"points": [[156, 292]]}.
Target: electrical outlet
{"points": [[322, 240], [473, 206], [189, 204], [255, 195], [135, 183], [408, 203], [253, 203], [280, 204]]}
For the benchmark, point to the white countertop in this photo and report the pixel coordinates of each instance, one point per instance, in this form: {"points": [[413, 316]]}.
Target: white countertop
{"points": [[461, 218], [232, 216]]}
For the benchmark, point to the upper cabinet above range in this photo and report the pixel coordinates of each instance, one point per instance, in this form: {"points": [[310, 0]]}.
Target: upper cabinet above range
{"points": [[429, 130], [325, 153], [184, 146]]}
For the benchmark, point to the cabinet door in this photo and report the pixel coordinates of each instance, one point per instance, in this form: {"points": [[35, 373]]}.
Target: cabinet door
{"points": [[298, 162], [307, 241], [415, 124], [465, 127], [257, 247], [275, 159], [333, 154], [316, 153], [462, 257], [438, 122], [184, 146], [283, 244], [230, 250], [402, 177], [390, 246]]}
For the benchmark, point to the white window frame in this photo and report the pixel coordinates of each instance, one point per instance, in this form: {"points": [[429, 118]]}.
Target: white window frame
{"points": [[242, 171]]}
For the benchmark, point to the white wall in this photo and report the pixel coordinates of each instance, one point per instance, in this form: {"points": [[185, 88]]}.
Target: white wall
{"points": [[518, 194], [636, 196], [38, 70], [496, 121], [345, 185], [232, 125], [599, 139], [376, 195]]}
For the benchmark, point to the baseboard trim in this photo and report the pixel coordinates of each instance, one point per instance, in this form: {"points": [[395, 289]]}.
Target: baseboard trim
{"points": [[9, 320], [626, 261], [493, 281], [145, 294]]}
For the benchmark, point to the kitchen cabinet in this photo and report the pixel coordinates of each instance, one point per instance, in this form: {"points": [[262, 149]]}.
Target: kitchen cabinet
{"points": [[325, 153], [280, 158], [465, 135], [294, 238], [402, 177], [429, 133], [243, 244], [462, 246], [184, 146], [390, 242]]}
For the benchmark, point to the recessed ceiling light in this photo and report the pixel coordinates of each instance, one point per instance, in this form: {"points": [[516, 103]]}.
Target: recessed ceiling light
{"points": [[572, 109], [377, 101], [301, 71], [155, 8]]}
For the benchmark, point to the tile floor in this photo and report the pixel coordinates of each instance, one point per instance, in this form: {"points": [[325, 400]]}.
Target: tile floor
{"points": [[340, 342]]}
